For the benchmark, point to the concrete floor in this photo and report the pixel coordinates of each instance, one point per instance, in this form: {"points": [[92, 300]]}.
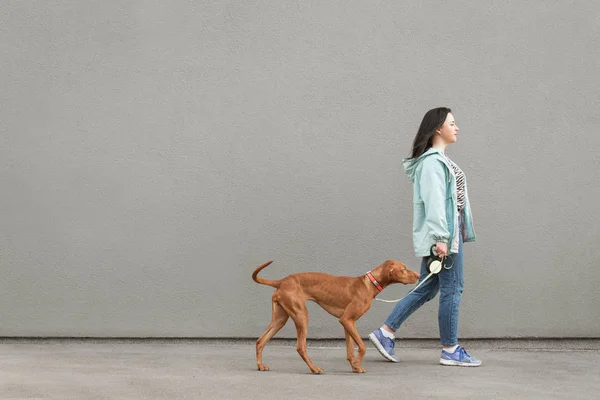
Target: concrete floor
{"points": [[204, 369]]}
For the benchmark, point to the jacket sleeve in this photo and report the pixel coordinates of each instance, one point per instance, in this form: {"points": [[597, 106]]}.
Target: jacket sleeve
{"points": [[432, 185]]}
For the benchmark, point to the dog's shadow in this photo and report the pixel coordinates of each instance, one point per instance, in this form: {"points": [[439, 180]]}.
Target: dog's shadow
{"points": [[331, 367]]}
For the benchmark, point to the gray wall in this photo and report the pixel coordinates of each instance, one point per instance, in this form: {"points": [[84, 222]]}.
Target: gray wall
{"points": [[154, 153]]}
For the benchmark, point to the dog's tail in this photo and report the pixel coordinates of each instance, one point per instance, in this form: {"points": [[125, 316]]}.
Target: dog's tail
{"points": [[262, 281]]}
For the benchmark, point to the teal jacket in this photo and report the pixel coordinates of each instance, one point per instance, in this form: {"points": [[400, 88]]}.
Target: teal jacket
{"points": [[435, 211]]}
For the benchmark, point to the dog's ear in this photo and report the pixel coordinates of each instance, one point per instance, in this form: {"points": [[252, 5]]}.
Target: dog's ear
{"points": [[395, 270], [390, 265]]}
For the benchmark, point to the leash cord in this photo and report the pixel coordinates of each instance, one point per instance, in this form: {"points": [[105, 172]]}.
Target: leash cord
{"points": [[395, 301], [419, 285]]}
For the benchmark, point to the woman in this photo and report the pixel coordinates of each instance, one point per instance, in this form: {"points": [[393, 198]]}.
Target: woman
{"points": [[442, 217]]}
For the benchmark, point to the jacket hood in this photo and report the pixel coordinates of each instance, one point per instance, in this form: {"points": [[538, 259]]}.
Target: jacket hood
{"points": [[410, 165]]}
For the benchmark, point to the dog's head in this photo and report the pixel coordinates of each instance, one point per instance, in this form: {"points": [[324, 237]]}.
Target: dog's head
{"points": [[397, 272]]}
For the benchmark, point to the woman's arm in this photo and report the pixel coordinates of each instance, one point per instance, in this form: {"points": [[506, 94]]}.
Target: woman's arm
{"points": [[432, 184]]}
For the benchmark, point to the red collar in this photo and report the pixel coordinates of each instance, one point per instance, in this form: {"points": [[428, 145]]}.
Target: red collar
{"points": [[374, 281]]}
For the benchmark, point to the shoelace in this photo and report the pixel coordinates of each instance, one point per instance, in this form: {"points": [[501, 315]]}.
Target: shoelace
{"points": [[388, 342], [463, 354]]}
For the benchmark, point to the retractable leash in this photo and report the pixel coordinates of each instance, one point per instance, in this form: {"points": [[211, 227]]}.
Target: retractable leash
{"points": [[434, 267]]}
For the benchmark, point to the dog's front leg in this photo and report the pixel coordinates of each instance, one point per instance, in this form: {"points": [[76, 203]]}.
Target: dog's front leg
{"points": [[349, 347]]}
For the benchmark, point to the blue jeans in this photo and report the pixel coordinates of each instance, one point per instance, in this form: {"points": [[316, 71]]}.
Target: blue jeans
{"points": [[450, 284]]}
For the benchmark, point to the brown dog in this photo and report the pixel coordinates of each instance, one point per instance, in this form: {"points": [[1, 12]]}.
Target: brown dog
{"points": [[341, 296]]}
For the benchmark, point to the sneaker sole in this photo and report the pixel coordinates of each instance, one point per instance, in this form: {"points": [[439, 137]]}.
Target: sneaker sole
{"points": [[452, 363], [380, 349]]}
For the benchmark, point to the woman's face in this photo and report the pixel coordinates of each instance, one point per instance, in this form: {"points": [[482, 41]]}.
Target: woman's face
{"points": [[449, 130]]}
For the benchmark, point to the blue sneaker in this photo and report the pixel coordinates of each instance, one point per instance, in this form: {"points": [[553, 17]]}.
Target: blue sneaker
{"points": [[383, 344], [459, 358]]}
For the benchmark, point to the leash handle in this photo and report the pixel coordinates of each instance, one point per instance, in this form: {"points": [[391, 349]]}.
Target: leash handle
{"points": [[443, 260]]}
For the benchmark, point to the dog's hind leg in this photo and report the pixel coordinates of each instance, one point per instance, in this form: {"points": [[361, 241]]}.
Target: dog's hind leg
{"points": [[350, 327], [278, 320], [300, 318]]}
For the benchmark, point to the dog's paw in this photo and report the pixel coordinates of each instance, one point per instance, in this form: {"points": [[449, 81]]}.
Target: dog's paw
{"points": [[263, 367], [358, 370], [317, 370]]}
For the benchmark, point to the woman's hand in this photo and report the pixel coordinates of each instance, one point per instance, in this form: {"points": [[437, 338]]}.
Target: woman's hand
{"points": [[441, 249]]}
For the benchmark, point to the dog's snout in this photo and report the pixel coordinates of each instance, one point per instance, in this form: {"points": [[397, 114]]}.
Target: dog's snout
{"points": [[414, 276]]}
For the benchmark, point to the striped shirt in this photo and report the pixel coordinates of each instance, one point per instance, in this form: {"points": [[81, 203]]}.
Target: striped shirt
{"points": [[460, 185]]}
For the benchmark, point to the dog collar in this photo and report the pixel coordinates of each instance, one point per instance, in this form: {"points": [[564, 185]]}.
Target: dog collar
{"points": [[374, 281]]}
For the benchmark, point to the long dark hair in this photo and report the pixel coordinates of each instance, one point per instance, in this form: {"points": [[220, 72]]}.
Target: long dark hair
{"points": [[433, 120]]}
